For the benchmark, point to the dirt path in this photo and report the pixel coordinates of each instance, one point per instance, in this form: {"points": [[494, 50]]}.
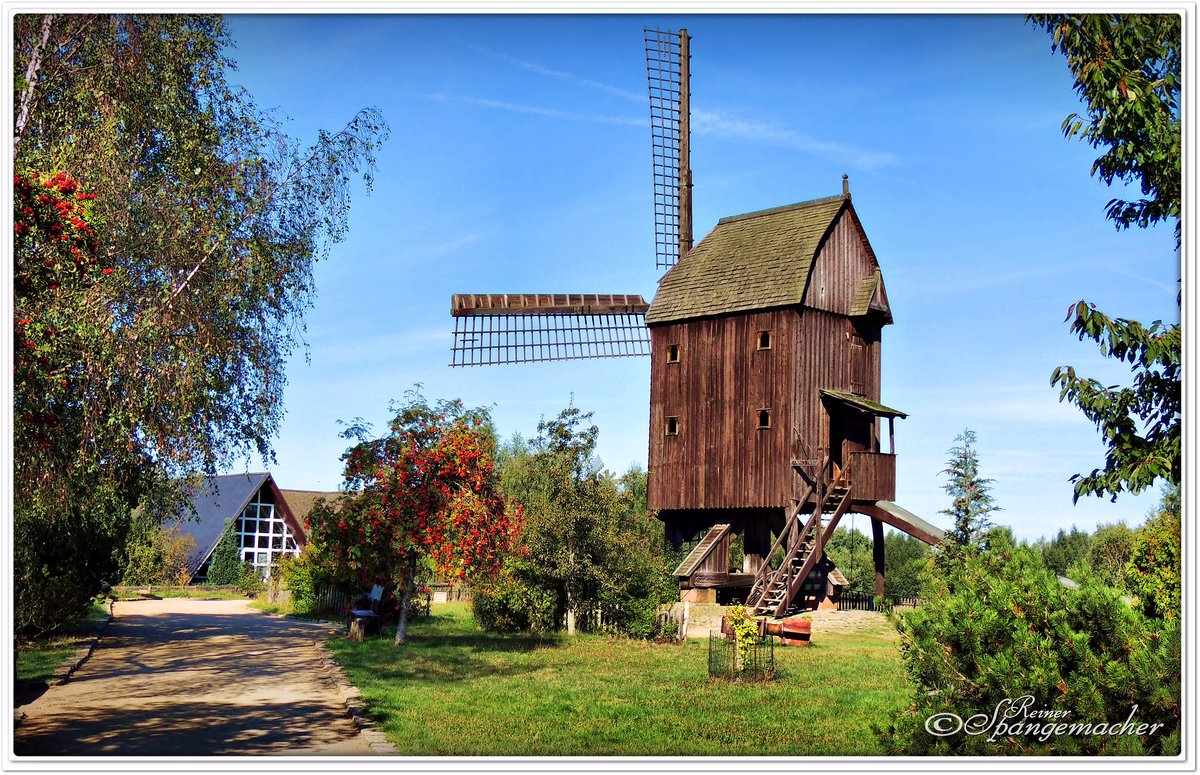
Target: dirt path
{"points": [[195, 678]]}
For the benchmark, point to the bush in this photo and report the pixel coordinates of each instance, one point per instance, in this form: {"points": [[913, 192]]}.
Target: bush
{"points": [[225, 565], [60, 558], [1110, 548], [508, 604], [304, 575], [1153, 571], [995, 626], [160, 558], [250, 581]]}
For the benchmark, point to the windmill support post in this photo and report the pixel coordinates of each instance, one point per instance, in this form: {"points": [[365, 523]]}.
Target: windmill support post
{"points": [[877, 547]]}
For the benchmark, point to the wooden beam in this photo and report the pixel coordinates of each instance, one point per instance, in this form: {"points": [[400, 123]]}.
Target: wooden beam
{"points": [[465, 304], [871, 510], [877, 548]]}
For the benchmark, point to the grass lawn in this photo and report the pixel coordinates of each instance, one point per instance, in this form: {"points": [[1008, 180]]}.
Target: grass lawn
{"points": [[37, 659], [456, 690], [199, 592]]}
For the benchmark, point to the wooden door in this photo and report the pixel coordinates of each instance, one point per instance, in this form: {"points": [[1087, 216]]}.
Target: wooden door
{"points": [[858, 365]]}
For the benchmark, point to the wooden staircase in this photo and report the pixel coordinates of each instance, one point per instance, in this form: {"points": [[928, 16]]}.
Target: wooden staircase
{"points": [[715, 544], [775, 589]]}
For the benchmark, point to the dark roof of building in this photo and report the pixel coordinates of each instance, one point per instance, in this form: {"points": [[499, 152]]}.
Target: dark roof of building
{"points": [[758, 260]]}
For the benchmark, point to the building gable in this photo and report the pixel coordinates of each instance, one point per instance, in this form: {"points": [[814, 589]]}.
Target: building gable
{"points": [[221, 500], [846, 279]]}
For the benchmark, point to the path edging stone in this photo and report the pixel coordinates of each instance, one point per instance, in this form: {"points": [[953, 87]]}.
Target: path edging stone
{"points": [[66, 670], [356, 710]]}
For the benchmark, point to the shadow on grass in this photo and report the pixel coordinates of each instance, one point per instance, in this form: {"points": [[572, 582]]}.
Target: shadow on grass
{"points": [[438, 656]]}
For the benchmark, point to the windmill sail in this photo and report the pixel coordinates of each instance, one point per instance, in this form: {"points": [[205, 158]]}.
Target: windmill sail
{"points": [[668, 74], [496, 328]]}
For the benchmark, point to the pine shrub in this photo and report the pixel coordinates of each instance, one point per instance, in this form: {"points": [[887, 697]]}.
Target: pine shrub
{"points": [[995, 625]]}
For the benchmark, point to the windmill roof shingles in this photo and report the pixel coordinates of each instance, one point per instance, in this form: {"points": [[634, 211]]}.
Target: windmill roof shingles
{"points": [[757, 260]]}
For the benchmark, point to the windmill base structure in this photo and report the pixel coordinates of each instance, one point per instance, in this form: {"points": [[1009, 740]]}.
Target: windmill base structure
{"points": [[765, 342]]}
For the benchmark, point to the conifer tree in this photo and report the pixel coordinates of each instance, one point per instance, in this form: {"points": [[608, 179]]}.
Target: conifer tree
{"points": [[971, 498]]}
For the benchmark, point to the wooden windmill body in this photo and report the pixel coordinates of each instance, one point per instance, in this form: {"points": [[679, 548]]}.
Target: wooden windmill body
{"points": [[764, 342]]}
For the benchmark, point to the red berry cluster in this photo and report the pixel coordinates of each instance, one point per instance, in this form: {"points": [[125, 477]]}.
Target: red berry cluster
{"points": [[428, 490], [54, 237], [55, 251]]}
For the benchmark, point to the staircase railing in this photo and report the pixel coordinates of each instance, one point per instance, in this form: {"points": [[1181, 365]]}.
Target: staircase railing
{"points": [[787, 577], [789, 536]]}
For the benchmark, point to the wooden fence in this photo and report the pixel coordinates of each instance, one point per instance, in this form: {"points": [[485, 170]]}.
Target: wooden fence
{"points": [[857, 601]]}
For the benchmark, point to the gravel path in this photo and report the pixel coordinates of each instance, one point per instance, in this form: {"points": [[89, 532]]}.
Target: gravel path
{"points": [[182, 677]]}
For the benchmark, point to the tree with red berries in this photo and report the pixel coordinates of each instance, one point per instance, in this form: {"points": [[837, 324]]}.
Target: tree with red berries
{"points": [[423, 495]]}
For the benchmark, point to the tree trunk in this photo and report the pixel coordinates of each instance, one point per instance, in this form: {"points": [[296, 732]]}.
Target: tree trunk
{"points": [[32, 70], [410, 579]]}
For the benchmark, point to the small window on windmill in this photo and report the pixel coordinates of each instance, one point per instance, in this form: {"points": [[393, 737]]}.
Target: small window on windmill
{"points": [[764, 419], [672, 353], [672, 426], [764, 340]]}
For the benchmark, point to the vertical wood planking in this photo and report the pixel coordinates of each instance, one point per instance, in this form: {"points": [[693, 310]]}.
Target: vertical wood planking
{"points": [[720, 459]]}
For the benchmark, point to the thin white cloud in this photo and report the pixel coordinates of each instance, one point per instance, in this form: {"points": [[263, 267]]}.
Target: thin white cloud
{"points": [[534, 110], [561, 75], [731, 127], [451, 245]]}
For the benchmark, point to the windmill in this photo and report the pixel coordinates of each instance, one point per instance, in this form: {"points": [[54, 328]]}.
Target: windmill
{"points": [[764, 342]]}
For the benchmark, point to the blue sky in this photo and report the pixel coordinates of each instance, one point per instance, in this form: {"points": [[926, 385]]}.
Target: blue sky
{"points": [[520, 162]]}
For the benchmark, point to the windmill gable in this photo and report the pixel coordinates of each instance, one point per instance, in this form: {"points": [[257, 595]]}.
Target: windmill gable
{"points": [[755, 261], [845, 277]]}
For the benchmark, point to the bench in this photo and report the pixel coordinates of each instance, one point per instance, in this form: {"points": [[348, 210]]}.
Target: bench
{"points": [[366, 621]]}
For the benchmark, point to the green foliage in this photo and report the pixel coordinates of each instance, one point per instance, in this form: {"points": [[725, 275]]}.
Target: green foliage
{"points": [[225, 564], [158, 556], [164, 354], [1141, 423], [1153, 572], [1109, 551], [250, 581], [588, 541], [508, 603], [851, 552], [61, 556], [995, 625], [1066, 551], [904, 558], [971, 498], [745, 633], [305, 575], [1127, 70]]}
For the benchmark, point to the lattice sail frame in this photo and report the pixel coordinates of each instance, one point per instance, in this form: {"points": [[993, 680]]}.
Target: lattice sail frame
{"points": [[498, 328], [491, 329], [667, 72]]}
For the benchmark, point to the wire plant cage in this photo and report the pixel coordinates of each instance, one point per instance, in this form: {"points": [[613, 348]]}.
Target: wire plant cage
{"points": [[726, 662]]}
